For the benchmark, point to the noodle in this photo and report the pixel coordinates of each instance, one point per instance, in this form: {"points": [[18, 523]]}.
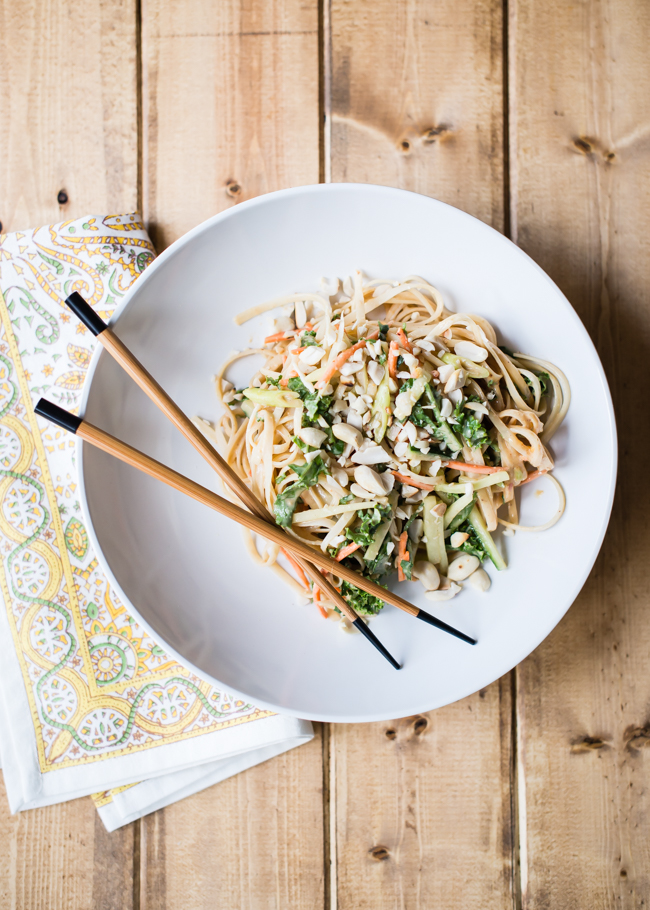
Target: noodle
{"points": [[360, 435]]}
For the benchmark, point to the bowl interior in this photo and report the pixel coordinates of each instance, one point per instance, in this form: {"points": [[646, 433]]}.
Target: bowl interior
{"points": [[184, 571]]}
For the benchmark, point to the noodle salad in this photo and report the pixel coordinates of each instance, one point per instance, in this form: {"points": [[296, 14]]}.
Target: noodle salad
{"points": [[389, 433]]}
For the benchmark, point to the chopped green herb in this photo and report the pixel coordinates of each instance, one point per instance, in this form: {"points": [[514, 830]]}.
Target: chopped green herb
{"points": [[347, 499], [361, 602], [316, 405], [370, 519], [544, 381], [473, 545], [285, 504], [335, 446], [308, 339], [383, 563], [383, 331], [469, 424], [302, 445], [421, 419]]}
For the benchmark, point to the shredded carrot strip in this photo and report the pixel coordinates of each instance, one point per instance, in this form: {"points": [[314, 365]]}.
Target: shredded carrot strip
{"points": [[279, 336], [402, 554], [403, 340], [393, 354], [472, 468], [297, 568], [351, 547], [321, 608], [338, 362], [308, 325], [285, 380], [412, 481], [533, 476]]}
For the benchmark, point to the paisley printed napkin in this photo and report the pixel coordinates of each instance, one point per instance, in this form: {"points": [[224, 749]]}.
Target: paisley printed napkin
{"points": [[89, 703]]}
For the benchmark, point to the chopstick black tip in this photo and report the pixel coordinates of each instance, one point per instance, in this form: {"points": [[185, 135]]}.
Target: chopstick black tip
{"points": [[363, 628], [83, 310], [439, 624], [57, 415]]}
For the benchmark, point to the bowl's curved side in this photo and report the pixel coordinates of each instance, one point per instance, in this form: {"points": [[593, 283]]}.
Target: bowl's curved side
{"points": [[131, 522]]}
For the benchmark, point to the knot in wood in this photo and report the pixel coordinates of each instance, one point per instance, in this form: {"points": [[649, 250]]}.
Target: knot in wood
{"points": [[637, 738], [390, 733], [588, 744], [405, 146], [583, 145], [430, 135], [420, 724], [379, 853], [62, 197], [233, 188]]}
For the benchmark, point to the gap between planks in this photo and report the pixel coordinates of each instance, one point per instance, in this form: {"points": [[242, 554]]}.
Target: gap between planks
{"points": [[325, 176], [517, 782], [517, 778]]}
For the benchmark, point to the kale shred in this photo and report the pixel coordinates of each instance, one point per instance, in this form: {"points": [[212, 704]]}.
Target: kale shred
{"points": [[473, 544], [361, 602], [370, 521], [286, 502]]}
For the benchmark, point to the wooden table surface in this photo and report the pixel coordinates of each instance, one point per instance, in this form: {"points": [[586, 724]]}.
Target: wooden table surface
{"points": [[532, 115]]}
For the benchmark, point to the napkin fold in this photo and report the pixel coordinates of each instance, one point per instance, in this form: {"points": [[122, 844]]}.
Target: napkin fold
{"points": [[89, 702]]}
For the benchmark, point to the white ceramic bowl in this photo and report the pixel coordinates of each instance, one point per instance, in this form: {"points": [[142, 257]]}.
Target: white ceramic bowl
{"points": [[183, 571]]}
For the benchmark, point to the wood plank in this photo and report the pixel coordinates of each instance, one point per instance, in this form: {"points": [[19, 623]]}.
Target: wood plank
{"points": [[254, 842], [62, 858], [68, 110], [421, 807], [581, 175], [230, 111], [230, 106], [417, 99]]}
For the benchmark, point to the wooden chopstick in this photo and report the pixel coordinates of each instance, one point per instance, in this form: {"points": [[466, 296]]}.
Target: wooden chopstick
{"points": [[162, 400], [153, 468], [170, 409]]}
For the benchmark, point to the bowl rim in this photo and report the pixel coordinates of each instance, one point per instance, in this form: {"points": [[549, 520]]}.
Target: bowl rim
{"points": [[342, 188]]}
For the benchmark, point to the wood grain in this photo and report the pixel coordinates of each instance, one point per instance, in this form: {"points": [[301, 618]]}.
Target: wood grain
{"points": [[581, 175], [253, 842], [421, 807], [62, 858], [230, 105], [230, 111], [417, 99], [68, 110]]}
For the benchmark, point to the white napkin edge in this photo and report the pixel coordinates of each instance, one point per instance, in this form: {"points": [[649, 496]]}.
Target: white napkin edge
{"points": [[151, 795], [28, 788]]}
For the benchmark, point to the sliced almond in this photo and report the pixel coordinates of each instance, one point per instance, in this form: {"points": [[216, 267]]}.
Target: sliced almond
{"points": [[470, 351]]}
